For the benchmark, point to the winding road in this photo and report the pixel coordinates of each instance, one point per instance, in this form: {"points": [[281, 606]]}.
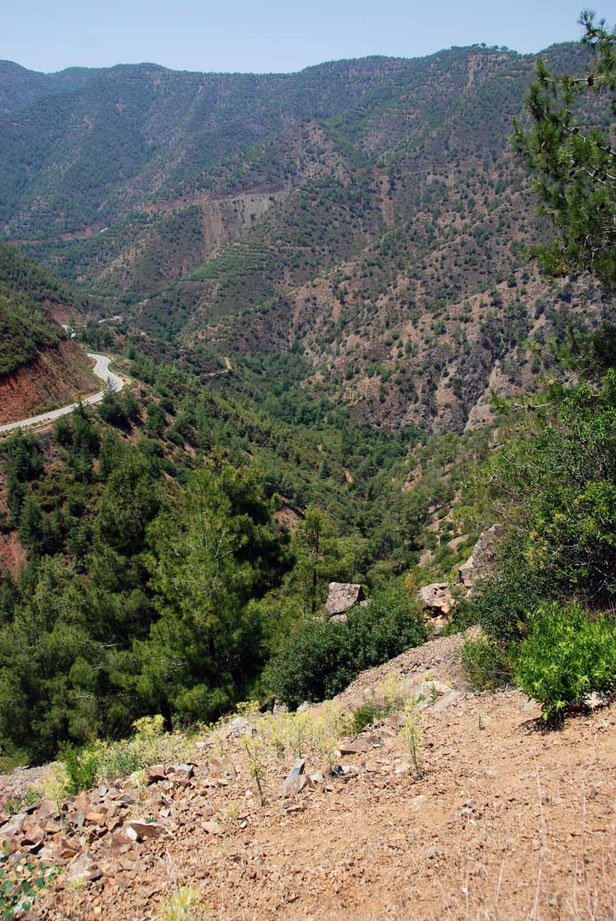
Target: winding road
{"points": [[101, 370]]}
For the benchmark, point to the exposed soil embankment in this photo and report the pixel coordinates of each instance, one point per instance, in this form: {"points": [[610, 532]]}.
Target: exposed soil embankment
{"points": [[58, 375]]}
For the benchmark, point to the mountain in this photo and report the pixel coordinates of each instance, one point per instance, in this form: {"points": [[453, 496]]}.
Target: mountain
{"points": [[367, 213], [311, 284], [39, 365]]}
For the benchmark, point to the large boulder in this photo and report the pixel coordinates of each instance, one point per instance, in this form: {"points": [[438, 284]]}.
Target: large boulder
{"points": [[436, 599], [341, 597], [481, 561]]}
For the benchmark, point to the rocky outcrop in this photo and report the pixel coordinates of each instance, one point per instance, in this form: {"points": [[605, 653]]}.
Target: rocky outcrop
{"points": [[480, 563], [341, 597], [436, 598], [437, 601]]}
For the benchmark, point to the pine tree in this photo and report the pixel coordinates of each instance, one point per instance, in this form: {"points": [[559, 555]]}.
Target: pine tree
{"points": [[571, 157]]}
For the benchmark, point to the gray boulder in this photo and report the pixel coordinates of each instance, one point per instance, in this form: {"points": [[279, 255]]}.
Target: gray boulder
{"points": [[341, 597], [481, 561]]}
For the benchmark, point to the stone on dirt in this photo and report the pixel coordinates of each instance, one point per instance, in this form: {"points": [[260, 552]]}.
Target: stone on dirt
{"points": [[156, 773], [296, 779], [447, 701], [354, 748], [436, 598], [240, 727], [181, 771], [83, 869], [143, 830], [594, 701]]}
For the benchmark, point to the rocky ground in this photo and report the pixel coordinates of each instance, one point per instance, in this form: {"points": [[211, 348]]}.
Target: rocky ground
{"points": [[504, 821]]}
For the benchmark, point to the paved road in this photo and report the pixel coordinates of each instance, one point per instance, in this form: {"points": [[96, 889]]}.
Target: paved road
{"points": [[101, 369]]}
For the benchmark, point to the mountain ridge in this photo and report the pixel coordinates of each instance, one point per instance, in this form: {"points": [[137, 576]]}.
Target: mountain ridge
{"points": [[353, 211], [282, 73]]}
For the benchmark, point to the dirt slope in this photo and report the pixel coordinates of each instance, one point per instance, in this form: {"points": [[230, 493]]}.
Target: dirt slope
{"points": [[507, 822], [58, 375]]}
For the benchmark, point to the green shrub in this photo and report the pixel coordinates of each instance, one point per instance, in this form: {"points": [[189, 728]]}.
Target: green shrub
{"points": [[463, 616], [380, 630], [314, 664], [566, 655], [320, 659], [366, 715], [501, 602], [485, 664], [81, 765]]}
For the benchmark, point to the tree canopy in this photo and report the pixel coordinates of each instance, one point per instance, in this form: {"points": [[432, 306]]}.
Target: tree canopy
{"points": [[569, 150]]}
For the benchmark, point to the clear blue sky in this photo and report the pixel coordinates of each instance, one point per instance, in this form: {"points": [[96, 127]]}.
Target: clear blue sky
{"points": [[268, 35]]}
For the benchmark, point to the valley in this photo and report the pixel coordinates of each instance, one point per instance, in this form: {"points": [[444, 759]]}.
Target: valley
{"points": [[370, 214], [309, 611]]}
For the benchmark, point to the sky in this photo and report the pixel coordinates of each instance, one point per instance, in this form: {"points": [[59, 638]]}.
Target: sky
{"points": [[268, 35]]}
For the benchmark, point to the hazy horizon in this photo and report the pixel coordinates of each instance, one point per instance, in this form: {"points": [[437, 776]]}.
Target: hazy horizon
{"points": [[271, 38]]}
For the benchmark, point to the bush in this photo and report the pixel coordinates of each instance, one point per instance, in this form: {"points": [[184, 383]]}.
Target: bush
{"points": [[485, 664], [81, 766], [314, 664], [320, 659], [566, 655], [501, 602], [366, 715], [390, 623], [464, 615]]}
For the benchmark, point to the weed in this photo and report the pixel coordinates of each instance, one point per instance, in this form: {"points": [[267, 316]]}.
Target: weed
{"points": [[256, 764], [298, 731], [393, 692], [55, 785], [233, 811], [411, 731], [366, 715], [485, 664], [81, 766], [182, 906], [21, 881], [31, 797]]}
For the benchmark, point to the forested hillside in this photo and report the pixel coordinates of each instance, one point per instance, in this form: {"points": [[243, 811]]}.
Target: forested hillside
{"points": [[369, 213], [291, 262], [112, 512]]}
